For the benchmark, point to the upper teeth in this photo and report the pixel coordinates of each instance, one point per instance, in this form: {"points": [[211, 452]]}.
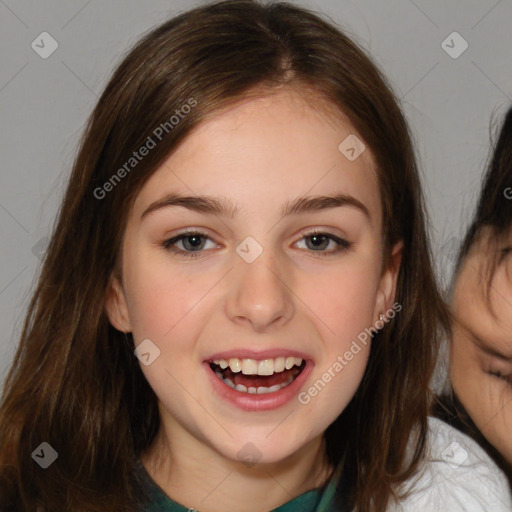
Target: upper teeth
{"points": [[263, 367]]}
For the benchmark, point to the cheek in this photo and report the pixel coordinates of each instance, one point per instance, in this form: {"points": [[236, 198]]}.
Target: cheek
{"points": [[336, 382], [491, 411], [468, 380], [344, 300], [484, 396], [159, 298]]}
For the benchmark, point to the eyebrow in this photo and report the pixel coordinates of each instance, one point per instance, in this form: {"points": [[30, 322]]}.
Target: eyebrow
{"points": [[222, 206]]}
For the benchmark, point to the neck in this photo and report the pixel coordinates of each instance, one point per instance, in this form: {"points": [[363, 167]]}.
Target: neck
{"points": [[197, 476]]}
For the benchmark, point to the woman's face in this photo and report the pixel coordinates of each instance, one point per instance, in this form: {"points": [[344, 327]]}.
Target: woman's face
{"points": [[255, 290], [482, 346]]}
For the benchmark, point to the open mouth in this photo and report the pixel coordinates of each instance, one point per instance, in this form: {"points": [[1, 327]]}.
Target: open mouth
{"points": [[258, 377]]}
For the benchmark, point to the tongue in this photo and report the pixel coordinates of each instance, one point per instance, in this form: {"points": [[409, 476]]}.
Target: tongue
{"points": [[260, 380]]}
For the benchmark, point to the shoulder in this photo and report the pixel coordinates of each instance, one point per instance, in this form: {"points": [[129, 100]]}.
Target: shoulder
{"points": [[457, 475]]}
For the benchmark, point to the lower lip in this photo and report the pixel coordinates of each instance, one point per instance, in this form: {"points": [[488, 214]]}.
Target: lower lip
{"points": [[254, 402]]}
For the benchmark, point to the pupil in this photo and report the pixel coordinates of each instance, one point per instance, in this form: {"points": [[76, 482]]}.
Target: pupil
{"points": [[318, 238], [195, 244]]}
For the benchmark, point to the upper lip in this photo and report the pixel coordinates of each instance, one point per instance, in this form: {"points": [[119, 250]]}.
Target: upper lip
{"points": [[258, 355]]}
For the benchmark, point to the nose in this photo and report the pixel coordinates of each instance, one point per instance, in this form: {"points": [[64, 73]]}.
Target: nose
{"points": [[259, 295]]}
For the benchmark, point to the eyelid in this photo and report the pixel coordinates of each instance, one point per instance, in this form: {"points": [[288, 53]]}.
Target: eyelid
{"points": [[188, 232], [507, 378], [496, 369], [342, 244]]}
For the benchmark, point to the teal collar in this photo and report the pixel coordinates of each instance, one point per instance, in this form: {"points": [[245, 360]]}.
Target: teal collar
{"points": [[315, 500]]}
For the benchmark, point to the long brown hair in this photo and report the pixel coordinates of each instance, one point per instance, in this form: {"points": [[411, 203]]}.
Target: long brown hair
{"points": [[75, 382]]}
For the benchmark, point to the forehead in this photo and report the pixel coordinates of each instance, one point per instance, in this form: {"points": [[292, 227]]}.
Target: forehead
{"points": [[264, 150]]}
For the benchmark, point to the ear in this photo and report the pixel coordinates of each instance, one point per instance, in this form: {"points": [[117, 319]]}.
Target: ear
{"points": [[116, 306], [387, 286]]}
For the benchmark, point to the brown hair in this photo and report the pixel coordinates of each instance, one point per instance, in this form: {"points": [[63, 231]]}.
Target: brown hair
{"points": [[75, 381], [491, 225]]}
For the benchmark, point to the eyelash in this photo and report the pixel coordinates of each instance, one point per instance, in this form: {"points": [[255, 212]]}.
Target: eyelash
{"points": [[342, 245], [499, 375]]}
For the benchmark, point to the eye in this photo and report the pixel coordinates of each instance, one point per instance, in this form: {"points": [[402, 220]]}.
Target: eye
{"points": [[499, 375], [193, 243], [317, 241], [504, 253]]}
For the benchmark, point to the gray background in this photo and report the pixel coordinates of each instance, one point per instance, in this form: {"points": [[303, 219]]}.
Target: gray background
{"points": [[45, 103]]}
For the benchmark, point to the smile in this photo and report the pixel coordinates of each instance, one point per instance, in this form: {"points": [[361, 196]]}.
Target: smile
{"points": [[259, 377]]}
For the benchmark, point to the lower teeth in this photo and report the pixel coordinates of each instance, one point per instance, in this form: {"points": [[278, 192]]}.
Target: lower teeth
{"points": [[260, 390]]}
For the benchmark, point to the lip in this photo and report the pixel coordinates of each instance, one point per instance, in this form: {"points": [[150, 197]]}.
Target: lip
{"points": [[267, 402], [251, 354]]}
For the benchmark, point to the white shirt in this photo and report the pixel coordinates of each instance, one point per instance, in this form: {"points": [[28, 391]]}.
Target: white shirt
{"points": [[457, 476]]}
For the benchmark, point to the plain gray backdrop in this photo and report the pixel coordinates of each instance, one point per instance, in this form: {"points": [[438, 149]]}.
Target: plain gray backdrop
{"points": [[449, 98]]}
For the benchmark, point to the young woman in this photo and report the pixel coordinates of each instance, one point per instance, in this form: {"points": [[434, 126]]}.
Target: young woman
{"points": [[481, 358], [237, 309]]}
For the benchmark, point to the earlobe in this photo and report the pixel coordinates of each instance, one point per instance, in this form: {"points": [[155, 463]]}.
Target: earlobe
{"points": [[388, 281], [116, 307]]}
